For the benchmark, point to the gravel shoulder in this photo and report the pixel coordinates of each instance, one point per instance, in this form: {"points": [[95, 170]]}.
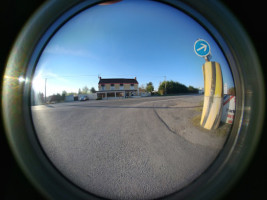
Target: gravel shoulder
{"points": [[188, 113]]}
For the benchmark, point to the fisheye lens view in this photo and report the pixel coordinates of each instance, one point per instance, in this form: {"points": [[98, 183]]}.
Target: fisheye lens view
{"points": [[132, 99]]}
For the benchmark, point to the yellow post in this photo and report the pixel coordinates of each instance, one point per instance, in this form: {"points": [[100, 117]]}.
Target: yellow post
{"points": [[213, 95]]}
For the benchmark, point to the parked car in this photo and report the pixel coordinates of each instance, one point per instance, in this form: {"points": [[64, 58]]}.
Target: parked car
{"points": [[83, 98]]}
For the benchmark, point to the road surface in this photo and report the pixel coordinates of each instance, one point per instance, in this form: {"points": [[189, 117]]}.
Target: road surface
{"points": [[140, 148]]}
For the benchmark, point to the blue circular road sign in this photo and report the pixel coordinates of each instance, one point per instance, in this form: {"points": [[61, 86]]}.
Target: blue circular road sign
{"points": [[202, 48]]}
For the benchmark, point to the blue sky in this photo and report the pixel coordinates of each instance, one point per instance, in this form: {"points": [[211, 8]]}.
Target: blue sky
{"points": [[143, 39]]}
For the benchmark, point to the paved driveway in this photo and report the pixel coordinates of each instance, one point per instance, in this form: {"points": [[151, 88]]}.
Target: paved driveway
{"points": [[140, 148]]}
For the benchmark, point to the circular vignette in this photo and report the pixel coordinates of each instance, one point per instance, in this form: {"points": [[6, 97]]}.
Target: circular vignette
{"points": [[226, 31]]}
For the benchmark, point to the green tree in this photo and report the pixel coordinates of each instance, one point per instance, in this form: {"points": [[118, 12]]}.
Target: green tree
{"points": [[231, 91], [149, 87], [64, 94], [85, 90], [172, 88], [71, 93], [79, 91], [142, 88], [191, 89], [92, 90], [56, 98]]}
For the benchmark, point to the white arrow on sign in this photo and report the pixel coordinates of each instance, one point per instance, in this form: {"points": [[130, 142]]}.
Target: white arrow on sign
{"points": [[203, 47]]}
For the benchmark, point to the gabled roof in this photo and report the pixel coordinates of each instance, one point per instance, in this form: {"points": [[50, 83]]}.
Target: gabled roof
{"points": [[117, 80]]}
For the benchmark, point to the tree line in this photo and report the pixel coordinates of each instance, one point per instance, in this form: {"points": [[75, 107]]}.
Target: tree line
{"points": [[171, 87], [40, 98]]}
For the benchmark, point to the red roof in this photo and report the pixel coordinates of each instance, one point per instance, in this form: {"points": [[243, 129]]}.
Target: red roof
{"points": [[117, 81]]}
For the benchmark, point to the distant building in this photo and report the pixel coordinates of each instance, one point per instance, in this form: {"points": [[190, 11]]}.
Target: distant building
{"points": [[91, 96], [69, 98], [225, 88], [201, 90], [111, 88]]}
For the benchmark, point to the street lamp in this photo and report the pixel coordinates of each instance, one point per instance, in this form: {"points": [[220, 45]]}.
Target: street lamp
{"points": [[45, 90]]}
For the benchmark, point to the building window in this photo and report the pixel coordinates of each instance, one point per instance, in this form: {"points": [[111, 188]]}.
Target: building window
{"points": [[121, 86], [112, 86], [103, 87], [132, 86]]}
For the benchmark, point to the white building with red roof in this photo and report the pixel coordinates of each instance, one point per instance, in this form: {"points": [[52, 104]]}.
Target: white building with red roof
{"points": [[111, 88]]}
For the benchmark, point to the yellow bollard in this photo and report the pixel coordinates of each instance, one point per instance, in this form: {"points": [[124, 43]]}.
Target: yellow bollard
{"points": [[213, 95]]}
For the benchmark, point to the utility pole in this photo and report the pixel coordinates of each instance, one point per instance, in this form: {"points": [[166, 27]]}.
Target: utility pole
{"points": [[165, 85], [45, 90]]}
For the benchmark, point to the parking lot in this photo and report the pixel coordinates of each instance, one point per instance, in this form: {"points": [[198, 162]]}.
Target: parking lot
{"points": [[139, 148]]}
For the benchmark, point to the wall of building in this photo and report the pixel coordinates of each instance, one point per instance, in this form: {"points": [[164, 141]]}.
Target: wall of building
{"points": [[126, 86], [69, 98], [107, 86], [92, 96], [117, 86]]}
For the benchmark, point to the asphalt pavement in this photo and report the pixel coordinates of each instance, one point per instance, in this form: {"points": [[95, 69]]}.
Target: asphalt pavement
{"points": [[141, 148]]}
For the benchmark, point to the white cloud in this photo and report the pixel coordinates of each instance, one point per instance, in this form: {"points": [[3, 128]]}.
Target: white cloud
{"points": [[59, 50]]}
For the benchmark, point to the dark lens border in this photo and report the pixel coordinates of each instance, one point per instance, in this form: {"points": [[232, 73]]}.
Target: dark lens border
{"points": [[229, 35]]}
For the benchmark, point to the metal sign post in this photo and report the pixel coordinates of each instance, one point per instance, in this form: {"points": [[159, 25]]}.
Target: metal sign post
{"points": [[213, 87]]}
